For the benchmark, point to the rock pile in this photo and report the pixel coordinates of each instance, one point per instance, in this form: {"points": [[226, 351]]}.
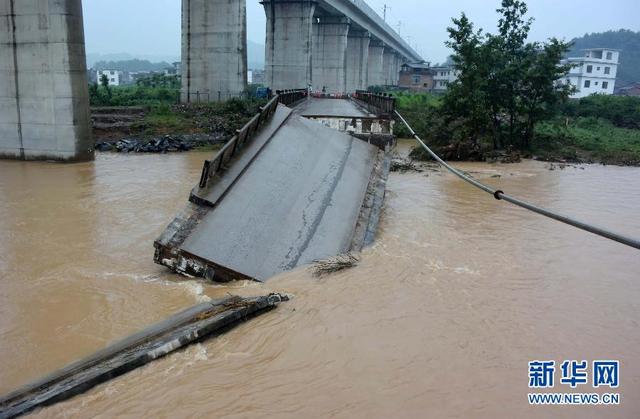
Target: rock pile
{"points": [[166, 144]]}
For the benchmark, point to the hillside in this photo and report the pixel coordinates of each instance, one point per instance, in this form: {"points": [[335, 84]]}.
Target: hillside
{"points": [[129, 62], [131, 65], [625, 40]]}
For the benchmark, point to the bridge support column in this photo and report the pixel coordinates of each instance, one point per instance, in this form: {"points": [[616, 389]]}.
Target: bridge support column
{"points": [[214, 50], [396, 70], [329, 56], [289, 43], [44, 98], [387, 66], [357, 60], [375, 66]]}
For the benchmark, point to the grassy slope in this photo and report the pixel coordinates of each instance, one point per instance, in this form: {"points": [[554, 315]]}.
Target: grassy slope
{"points": [[587, 139]]}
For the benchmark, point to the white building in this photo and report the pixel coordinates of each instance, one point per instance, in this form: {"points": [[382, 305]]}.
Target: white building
{"points": [[116, 77], [442, 77], [594, 73]]}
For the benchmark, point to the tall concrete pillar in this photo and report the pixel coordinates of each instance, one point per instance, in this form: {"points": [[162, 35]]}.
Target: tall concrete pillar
{"points": [[357, 60], [396, 69], [44, 98], [387, 66], [214, 50], [329, 57], [374, 69], [288, 43]]}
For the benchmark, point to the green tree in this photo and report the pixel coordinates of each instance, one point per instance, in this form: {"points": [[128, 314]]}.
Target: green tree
{"points": [[513, 31], [466, 97], [542, 92], [505, 84], [104, 82]]}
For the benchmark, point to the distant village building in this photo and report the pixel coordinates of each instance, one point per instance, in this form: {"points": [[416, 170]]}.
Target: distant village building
{"points": [[257, 77], [416, 77], [116, 77], [631, 90], [250, 76], [177, 67], [443, 76], [137, 75], [594, 73]]}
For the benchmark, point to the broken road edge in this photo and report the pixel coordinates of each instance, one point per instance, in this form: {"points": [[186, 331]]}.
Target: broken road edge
{"points": [[180, 330]]}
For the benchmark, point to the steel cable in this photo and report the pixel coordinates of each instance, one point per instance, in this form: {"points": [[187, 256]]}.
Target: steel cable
{"points": [[501, 196]]}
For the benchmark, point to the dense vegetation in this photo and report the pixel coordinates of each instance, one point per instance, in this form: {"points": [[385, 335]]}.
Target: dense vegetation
{"points": [[506, 99], [593, 129], [625, 40], [154, 90]]}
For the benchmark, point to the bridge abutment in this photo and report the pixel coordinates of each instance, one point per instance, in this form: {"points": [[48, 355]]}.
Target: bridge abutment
{"points": [[357, 60], [289, 43], [329, 55], [214, 50], [44, 98]]}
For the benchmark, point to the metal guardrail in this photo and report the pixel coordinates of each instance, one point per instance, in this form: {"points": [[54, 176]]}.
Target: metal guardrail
{"points": [[378, 103], [247, 132], [289, 97]]}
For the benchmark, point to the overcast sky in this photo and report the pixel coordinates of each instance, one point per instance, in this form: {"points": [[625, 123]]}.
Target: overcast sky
{"points": [[152, 27]]}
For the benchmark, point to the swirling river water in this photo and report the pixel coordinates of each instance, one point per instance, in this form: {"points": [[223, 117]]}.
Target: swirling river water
{"points": [[439, 319]]}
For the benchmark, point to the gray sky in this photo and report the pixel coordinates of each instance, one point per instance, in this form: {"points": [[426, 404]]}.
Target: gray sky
{"points": [[152, 27]]}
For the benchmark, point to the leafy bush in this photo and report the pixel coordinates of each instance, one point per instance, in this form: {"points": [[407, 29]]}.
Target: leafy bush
{"points": [[133, 96], [622, 111]]}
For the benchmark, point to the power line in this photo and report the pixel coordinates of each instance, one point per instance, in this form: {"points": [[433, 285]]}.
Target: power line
{"points": [[501, 196]]}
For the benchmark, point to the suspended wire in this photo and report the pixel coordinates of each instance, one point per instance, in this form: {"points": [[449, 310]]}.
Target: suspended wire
{"points": [[501, 196]]}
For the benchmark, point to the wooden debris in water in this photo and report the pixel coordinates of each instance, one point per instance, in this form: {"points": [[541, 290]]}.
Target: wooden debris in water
{"points": [[403, 165], [335, 264]]}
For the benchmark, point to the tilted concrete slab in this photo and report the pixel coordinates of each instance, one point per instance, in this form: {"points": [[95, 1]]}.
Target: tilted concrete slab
{"points": [[299, 201], [351, 117], [300, 192]]}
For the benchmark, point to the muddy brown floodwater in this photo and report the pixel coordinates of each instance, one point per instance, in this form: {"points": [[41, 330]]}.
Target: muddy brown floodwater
{"points": [[439, 320]]}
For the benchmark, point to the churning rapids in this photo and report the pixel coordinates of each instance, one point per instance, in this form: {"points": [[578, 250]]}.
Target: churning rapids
{"points": [[439, 319]]}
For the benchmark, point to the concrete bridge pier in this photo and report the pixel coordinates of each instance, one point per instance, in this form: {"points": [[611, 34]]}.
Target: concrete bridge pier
{"points": [[387, 66], [289, 43], [357, 60], [396, 69], [214, 50], [329, 56], [375, 67], [44, 98]]}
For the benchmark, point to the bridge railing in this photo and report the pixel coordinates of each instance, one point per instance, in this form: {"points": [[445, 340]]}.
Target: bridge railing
{"points": [[289, 97], [247, 132], [381, 104]]}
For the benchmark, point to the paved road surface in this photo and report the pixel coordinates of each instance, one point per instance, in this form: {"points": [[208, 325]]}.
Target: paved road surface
{"points": [[297, 202]]}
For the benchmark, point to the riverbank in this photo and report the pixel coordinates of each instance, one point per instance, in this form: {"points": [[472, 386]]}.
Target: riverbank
{"points": [[584, 140], [595, 129], [165, 128]]}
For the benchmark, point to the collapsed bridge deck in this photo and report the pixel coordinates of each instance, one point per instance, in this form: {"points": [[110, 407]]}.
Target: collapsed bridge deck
{"points": [[298, 191]]}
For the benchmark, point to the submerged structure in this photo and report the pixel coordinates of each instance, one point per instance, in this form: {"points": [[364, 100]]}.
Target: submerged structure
{"points": [[195, 324], [303, 180]]}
